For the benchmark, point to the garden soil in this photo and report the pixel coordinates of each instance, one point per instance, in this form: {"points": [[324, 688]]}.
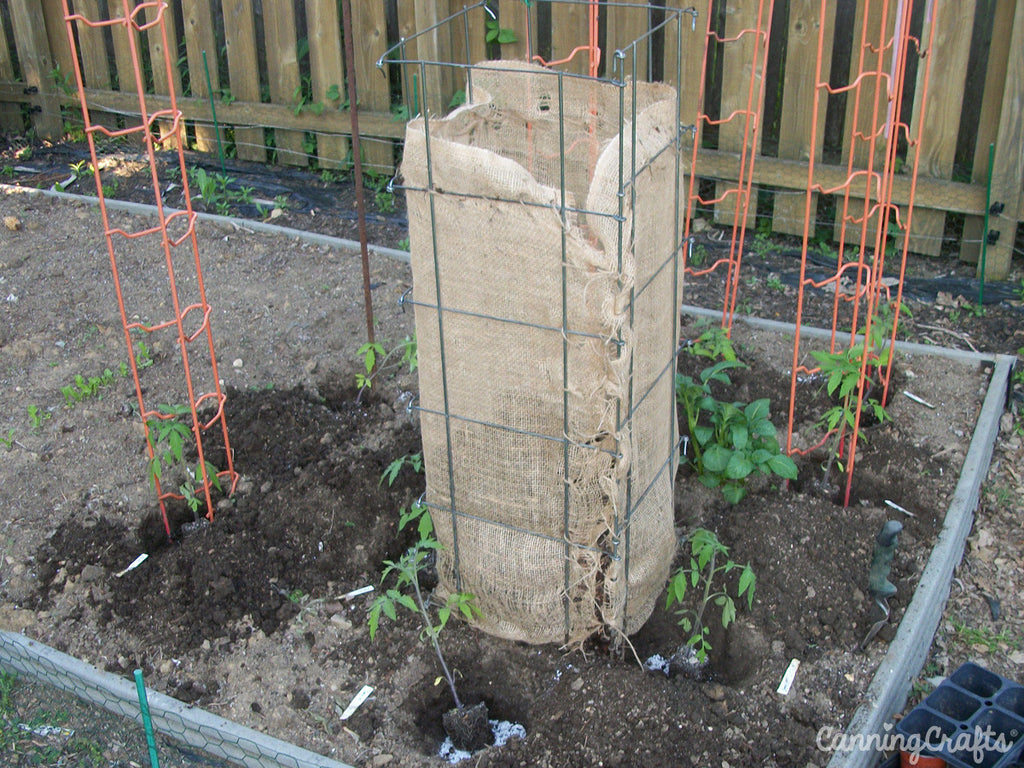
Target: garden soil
{"points": [[246, 616]]}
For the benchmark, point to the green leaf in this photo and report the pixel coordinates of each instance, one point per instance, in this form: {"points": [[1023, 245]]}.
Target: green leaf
{"points": [[783, 466], [728, 612], [703, 435], [408, 602], [374, 619], [739, 467], [389, 609], [733, 492], [757, 410], [748, 582], [740, 436], [443, 614], [716, 458]]}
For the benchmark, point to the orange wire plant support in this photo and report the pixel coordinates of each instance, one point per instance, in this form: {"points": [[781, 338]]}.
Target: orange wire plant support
{"points": [[864, 303], [865, 216], [173, 234], [744, 122]]}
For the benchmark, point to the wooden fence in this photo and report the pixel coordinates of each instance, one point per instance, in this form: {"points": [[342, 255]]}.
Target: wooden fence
{"points": [[271, 75]]}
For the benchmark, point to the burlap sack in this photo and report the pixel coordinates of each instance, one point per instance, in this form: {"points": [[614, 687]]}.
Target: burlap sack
{"points": [[546, 295]]}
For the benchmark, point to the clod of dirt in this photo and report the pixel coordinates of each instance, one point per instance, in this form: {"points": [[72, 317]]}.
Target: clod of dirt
{"points": [[468, 727]]}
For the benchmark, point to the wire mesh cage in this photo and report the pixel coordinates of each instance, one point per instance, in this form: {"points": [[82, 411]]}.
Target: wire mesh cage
{"points": [[545, 236]]}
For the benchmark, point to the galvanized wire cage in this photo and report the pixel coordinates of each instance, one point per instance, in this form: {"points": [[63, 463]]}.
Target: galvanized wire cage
{"points": [[545, 232]]}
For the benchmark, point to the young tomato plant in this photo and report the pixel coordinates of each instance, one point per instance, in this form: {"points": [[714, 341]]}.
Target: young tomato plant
{"points": [[705, 574], [377, 359], [414, 460], [406, 592], [167, 438], [842, 374]]}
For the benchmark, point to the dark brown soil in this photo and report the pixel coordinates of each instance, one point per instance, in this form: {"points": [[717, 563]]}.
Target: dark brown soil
{"points": [[245, 615]]}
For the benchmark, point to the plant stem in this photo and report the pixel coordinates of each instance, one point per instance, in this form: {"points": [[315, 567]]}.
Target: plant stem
{"points": [[699, 622], [433, 640]]}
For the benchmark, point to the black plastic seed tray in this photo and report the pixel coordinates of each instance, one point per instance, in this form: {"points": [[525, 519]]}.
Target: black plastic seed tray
{"points": [[973, 719]]}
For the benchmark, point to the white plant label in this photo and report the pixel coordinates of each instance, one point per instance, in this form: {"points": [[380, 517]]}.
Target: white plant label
{"points": [[787, 679], [359, 698], [357, 592], [134, 564]]}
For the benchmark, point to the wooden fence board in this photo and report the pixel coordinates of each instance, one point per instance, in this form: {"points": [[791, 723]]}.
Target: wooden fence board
{"points": [[801, 96], [199, 39], [327, 70], [513, 15], [370, 34], [1008, 166], [33, 49], [988, 124], [122, 35], [469, 38], [741, 83], [243, 72], [95, 65], [569, 31], [625, 27], [164, 79], [57, 36], [436, 84], [690, 66], [285, 82], [941, 115], [865, 113], [10, 114]]}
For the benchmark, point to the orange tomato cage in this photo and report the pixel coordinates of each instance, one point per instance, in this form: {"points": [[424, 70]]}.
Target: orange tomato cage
{"points": [[174, 238]]}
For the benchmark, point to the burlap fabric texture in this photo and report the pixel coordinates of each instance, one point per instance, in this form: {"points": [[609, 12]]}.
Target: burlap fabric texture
{"points": [[547, 325]]}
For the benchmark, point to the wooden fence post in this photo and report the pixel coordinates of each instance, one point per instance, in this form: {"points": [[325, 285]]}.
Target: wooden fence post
{"points": [[988, 123], [370, 30], [327, 69], [10, 114], [243, 72], [283, 73], [1008, 170], [800, 97], [199, 39], [941, 116], [36, 65]]}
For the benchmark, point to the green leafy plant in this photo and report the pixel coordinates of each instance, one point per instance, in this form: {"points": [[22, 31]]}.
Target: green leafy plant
{"points": [[841, 370], [167, 437], [498, 34], [8, 441], [731, 441], [713, 343], [414, 460], [705, 574], [93, 386], [406, 592], [377, 359], [383, 197], [37, 417]]}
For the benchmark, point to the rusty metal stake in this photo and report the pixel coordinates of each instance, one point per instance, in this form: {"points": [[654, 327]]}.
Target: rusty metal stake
{"points": [[350, 67]]}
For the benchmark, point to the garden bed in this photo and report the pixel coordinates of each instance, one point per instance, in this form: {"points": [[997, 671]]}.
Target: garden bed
{"points": [[243, 617]]}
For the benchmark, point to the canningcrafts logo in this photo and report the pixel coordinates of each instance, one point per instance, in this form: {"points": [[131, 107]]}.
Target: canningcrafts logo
{"points": [[976, 743]]}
